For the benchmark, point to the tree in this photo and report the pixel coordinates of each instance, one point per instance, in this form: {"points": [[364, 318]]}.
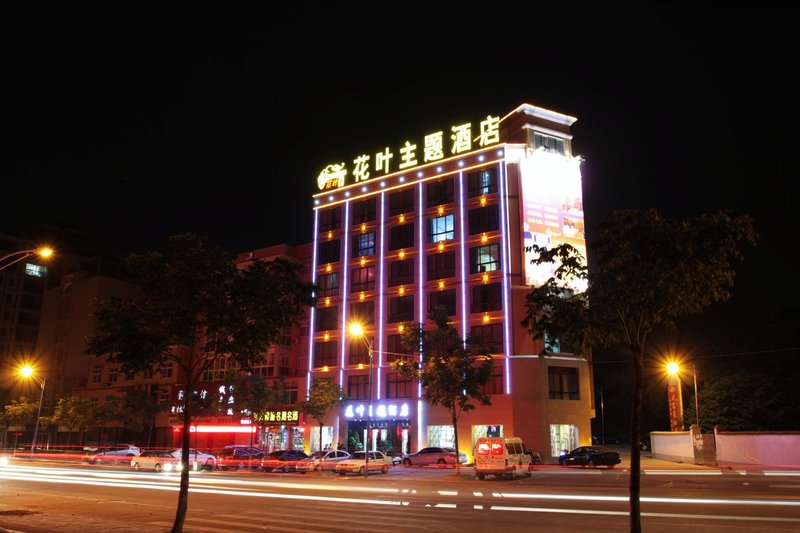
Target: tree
{"points": [[323, 397], [196, 308], [76, 414], [453, 373], [21, 412], [254, 396], [139, 410], [647, 271]]}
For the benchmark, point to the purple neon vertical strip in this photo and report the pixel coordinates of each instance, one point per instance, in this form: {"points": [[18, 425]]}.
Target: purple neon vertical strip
{"points": [[463, 239], [345, 262], [506, 271], [420, 253], [313, 314], [380, 294]]}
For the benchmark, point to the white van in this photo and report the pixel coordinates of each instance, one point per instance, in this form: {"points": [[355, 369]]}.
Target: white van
{"points": [[501, 456]]}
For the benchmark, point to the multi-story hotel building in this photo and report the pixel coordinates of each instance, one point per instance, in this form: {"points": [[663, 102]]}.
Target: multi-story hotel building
{"points": [[446, 220]]}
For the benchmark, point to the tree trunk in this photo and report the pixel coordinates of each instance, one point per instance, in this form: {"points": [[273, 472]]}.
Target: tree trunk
{"points": [[455, 432], [321, 447], [636, 414], [183, 493]]}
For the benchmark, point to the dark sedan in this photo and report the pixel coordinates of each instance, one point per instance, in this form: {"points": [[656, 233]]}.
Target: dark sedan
{"points": [[282, 460], [591, 456], [234, 458]]}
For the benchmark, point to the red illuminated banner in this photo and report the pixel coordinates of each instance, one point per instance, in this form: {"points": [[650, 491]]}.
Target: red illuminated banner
{"points": [[675, 404]]}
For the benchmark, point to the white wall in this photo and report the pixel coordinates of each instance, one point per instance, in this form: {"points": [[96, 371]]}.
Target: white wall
{"points": [[672, 446], [758, 448]]}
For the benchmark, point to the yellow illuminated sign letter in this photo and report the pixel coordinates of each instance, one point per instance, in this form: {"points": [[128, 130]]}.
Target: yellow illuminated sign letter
{"points": [[361, 170], [331, 176], [408, 154], [490, 130], [434, 146], [462, 138], [382, 161]]}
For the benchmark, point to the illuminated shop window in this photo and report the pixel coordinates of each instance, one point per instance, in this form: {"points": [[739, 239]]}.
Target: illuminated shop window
{"points": [[441, 228], [443, 436]]}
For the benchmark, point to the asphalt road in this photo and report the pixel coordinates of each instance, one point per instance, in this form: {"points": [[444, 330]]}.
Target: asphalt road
{"points": [[38, 498]]}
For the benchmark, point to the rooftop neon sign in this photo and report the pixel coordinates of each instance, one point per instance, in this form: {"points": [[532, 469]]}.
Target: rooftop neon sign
{"points": [[409, 155]]}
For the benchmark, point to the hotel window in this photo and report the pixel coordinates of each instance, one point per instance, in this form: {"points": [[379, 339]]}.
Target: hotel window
{"points": [[357, 387], [482, 182], [401, 272], [358, 353], [327, 318], [442, 265], [290, 392], [324, 354], [364, 244], [439, 192], [113, 375], [166, 369], [364, 211], [217, 370], [97, 375], [488, 337], [147, 373], [330, 219], [401, 309], [401, 237], [163, 397], [397, 386], [401, 202], [328, 252], [548, 143], [484, 258], [363, 279], [446, 299], [495, 384], [485, 298], [441, 229], [394, 348], [563, 382], [329, 284], [362, 313], [484, 219]]}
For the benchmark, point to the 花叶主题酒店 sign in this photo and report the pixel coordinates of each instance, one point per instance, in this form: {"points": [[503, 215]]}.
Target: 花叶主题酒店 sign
{"points": [[411, 154]]}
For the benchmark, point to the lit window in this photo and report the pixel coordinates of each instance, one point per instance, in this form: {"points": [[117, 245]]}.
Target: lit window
{"points": [[35, 270], [441, 228]]}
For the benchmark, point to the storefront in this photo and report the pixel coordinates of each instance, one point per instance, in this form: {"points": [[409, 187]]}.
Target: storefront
{"points": [[390, 422]]}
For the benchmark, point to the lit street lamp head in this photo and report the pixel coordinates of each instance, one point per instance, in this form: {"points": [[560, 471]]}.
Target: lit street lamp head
{"points": [[26, 371], [356, 330], [673, 368]]}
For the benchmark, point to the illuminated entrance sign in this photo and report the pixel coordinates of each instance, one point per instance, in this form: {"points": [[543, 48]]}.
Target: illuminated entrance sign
{"points": [[409, 155], [286, 418], [380, 410]]}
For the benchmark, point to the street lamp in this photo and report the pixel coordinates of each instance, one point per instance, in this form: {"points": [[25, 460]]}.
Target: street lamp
{"points": [[27, 372], [674, 369], [357, 331], [44, 252]]}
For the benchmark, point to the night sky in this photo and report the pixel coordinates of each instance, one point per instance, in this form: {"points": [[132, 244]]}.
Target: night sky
{"points": [[132, 125]]}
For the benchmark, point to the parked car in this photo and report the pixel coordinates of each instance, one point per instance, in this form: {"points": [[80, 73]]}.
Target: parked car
{"points": [[156, 460], [433, 455], [282, 460], [322, 460], [114, 454], [207, 460], [591, 456], [606, 439], [236, 457], [357, 464]]}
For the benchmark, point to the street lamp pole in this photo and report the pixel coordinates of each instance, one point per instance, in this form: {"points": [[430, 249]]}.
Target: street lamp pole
{"points": [[44, 252], [357, 331], [38, 414], [696, 400]]}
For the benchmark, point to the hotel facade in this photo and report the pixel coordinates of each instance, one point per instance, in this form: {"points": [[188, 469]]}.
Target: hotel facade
{"points": [[445, 221]]}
